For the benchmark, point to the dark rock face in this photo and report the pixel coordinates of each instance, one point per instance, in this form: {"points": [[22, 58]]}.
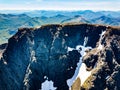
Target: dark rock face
{"points": [[3, 46], [35, 55], [105, 75]]}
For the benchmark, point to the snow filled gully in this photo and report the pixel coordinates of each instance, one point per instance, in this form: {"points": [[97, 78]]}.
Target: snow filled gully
{"points": [[100, 46], [80, 71]]}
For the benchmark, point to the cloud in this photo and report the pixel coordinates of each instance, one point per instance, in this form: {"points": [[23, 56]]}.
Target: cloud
{"points": [[39, 0], [61, 5], [28, 3]]}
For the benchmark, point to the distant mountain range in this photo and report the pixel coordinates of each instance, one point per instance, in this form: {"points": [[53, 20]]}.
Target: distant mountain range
{"points": [[85, 13], [76, 19], [9, 24], [11, 21], [106, 20]]}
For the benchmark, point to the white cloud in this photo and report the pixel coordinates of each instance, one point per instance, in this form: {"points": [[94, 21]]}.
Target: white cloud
{"points": [[46, 5], [28, 3], [39, 0]]}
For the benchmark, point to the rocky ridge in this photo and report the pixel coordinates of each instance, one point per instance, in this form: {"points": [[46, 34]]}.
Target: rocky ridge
{"points": [[37, 56]]}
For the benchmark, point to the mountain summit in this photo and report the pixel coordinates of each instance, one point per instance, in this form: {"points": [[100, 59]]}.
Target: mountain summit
{"points": [[62, 57]]}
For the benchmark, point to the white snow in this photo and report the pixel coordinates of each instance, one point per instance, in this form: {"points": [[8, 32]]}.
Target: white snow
{"points": [[48, 85], [33, 56], [85, 41], [28, 70], [5, 62], [70, 49], [107, 77], [83, 73], [45, 77], [81, 68], [100, 46], [1, 56], [26, 79]]}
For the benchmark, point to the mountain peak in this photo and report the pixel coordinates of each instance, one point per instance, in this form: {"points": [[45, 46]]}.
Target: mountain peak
{"points": [[53, 54]]}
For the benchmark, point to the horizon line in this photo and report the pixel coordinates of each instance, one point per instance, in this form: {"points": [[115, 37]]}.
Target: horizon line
{"points": [[54, 10]]}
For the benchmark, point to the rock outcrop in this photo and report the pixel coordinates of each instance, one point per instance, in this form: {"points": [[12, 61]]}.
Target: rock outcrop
{"points": [[34, 57], [105, 62]]}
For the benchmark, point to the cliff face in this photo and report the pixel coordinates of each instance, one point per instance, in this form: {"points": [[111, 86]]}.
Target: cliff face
{"points": [[105, 63], [50, 58]]}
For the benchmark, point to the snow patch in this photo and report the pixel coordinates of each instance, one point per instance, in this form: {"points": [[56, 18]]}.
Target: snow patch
{"points": [[83, 73], [45, 77], [1, 57], [107, 77], [48, 85], [100, 46], [70, 49], [26, 79], [33, 56], [5, 62], [85, 41], [28, 70], [80, 71]]}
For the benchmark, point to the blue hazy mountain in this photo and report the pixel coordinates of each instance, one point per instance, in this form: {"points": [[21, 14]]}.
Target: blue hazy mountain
{"points": [[106, 20], [76, 19], [111, 13], [10, 21], [57, 19], [85, 13]]}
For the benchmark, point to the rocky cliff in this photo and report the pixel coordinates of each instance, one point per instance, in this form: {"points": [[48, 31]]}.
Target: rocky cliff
{"points": [[62, 57]]}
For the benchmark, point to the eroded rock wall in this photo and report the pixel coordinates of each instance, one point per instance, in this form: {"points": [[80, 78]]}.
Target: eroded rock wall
{"points": [[35, 55]]}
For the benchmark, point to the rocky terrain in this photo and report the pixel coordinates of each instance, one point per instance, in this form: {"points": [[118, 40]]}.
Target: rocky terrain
{"points": [[62, 57]]}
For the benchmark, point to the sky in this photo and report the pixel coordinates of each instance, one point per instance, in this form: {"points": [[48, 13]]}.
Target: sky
{"points": [[108, 5]]}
